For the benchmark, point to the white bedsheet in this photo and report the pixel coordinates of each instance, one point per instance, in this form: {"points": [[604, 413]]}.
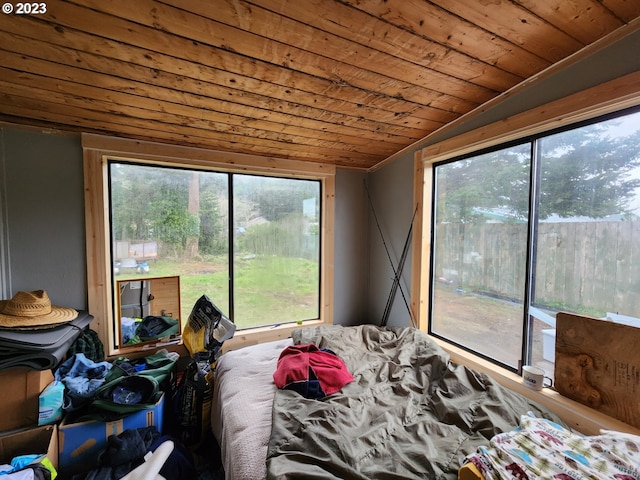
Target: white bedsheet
{"points": [[241, 408]]}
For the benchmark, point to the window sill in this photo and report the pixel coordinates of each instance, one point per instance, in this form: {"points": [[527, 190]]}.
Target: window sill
{"points": [[578, 416]]}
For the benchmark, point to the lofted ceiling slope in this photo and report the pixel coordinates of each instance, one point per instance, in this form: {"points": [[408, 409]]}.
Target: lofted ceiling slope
{"points": [[343, 82]]}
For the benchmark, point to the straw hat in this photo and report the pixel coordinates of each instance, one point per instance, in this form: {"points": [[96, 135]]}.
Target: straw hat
{"points": [[33, 310]]}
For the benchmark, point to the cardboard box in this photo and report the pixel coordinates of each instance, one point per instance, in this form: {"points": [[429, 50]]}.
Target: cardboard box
{"points": [[79, 444], [39, 440], [19, 402]]}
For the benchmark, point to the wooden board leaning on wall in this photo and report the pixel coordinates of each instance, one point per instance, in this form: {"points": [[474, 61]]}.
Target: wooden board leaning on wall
{"points": [[598, 364]]}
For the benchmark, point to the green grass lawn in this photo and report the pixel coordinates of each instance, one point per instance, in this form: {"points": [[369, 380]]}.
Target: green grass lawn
{"points": [[268, 289]]}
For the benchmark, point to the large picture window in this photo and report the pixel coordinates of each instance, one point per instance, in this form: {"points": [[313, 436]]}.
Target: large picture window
{"points": [[248, 232], [524, 230], [480, 251], [174, 221], [276, 250]]}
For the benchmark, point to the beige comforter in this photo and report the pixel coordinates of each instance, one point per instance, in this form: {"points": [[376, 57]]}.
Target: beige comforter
{"points": [[241, 414], [410, 413]]}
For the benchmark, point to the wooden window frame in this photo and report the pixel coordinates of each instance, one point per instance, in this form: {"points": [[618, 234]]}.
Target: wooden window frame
{"points": [[98, 150], [609, 97]]}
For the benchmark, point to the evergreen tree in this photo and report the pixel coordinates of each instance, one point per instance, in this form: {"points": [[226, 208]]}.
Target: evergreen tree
{"points": [[583, 172]]}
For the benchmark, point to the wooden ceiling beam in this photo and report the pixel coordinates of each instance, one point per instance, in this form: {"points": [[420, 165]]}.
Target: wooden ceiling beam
{"points": [[139, 44], [353, 25], [351, 83], [84, 96], [87, 120], [586, 21], [332, 59], [626, 10], [519, 25], [428, 19], [164, 89]]}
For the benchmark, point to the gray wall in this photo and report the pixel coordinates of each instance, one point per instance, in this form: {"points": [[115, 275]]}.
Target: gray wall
{"points": [[392, 205], [43, 213], [42, 229], [351, 247], [392, 185]]}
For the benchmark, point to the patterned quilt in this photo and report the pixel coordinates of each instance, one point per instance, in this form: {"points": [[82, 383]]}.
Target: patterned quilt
{"points": [[541, 449]]}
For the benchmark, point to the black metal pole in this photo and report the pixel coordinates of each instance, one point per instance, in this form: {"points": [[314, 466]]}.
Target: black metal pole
{"points": [[396, 272]]}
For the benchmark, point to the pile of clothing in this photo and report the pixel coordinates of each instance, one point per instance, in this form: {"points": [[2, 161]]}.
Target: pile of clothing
{"points": [[133, 451], [312, 372], [136, 330], [540, 448], [28, 467], [110, 390]]}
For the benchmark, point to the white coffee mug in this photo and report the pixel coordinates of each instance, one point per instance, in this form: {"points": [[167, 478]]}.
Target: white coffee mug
{"points": [[533, 377]]}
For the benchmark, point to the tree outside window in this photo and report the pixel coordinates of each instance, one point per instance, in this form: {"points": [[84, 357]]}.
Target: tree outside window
{"points": [[502, 269], [246, 241]]}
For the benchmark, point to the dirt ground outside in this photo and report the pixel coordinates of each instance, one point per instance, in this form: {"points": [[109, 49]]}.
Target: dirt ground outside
{"points": [[485, 324]]}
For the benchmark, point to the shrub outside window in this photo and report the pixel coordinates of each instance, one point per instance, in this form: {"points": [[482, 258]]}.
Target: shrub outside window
{"points": [[251, 233], [174, 221]]}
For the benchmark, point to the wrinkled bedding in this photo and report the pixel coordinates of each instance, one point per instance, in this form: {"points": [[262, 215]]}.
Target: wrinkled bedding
{"points": [[241, 408], [409, 413]]}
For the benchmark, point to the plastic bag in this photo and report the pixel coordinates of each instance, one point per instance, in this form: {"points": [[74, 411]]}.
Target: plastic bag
{"points": [[191, 404], [207, 328], [50, 403]]}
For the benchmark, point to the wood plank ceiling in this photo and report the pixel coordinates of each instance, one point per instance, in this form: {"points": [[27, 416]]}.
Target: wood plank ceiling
{"points": [[344, 82]]}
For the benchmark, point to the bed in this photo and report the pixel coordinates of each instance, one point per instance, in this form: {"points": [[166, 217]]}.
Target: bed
{"points": [[241, 408], [408, 413]]}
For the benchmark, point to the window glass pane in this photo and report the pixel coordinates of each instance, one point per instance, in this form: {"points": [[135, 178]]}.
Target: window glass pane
{"points": [[588, 228], [480, 242], [169, 221], [276, 251]]}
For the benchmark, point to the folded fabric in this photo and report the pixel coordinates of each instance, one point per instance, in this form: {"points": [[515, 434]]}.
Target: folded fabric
{"points": [[88, 343], [541, 449], [122, 454], [310, 371], [129, 446], [128, 328], [40, 349], [82, 378], [158, 365]]}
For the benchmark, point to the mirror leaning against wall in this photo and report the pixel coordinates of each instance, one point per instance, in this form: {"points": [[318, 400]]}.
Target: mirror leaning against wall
{"points": [[148, 310]]}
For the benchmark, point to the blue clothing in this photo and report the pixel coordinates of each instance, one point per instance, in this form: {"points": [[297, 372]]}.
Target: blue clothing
{"points": [[81, 378]]}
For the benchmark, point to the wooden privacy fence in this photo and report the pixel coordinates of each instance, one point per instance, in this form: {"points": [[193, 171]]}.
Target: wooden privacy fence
{"points": [[594, 265]]}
